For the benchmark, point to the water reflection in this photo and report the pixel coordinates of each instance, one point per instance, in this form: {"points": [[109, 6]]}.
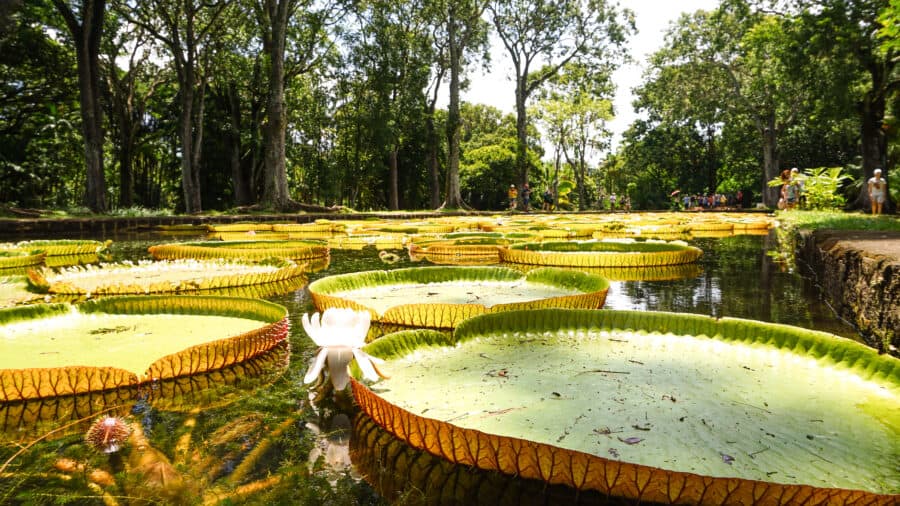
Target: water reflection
{"points": [[404, 475], [30, 418], [738, 279]]}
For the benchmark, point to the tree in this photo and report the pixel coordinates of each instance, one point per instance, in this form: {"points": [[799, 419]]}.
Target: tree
{"points": [[185, 28], [487, 155], [84, 20], [307, 44], [466, 33], [41, 147], [395, 55], [555, 33], [847, 32], [753, 56], [576, 110], [129, 90]]}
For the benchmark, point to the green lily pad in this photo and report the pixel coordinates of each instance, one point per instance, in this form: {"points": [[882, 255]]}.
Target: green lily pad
{"points": [[249, 251], [653, 406], [175, 276], [440, 297], [603, 253], [65, 247], [13, 260], [14, 291], [25, 420], [61, 349]]}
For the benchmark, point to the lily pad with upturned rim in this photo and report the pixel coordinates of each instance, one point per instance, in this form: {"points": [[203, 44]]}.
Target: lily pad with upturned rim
{"points": [[170, 276], [656, 407], [440, 297], [61, 349], [13, 259], [652, 273], [241, 250], [65, 247], [604, 253]]}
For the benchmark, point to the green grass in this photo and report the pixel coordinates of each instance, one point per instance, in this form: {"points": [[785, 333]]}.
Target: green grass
{"points": [[839, 220]]}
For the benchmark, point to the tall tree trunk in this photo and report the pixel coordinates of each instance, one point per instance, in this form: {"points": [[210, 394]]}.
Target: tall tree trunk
{"points": [[394, 195], [432, 160], [521, 133], [873, 144], [87, 35], [275, 189], [239, 179], [121, 115], [770, 161], [190, 188], [126, 171], [453, 198], [711, 176]]}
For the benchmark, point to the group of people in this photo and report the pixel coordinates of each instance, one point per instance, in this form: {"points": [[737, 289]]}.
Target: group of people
{"points": [[513, 196], [713, 200], [615, 202], [791, 189]]}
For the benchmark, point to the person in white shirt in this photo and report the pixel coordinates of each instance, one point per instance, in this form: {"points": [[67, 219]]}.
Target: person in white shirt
{"points": [[877, 191]]}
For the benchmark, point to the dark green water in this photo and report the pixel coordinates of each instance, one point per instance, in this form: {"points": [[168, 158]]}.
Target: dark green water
{"points": [[309, 440]]}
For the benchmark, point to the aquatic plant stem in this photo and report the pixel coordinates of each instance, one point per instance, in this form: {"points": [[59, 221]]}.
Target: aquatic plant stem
{"points": [[244, 468], [48, 434]]}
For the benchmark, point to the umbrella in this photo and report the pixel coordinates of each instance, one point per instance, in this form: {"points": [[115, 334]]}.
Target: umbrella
{"points": [[676, 192]]}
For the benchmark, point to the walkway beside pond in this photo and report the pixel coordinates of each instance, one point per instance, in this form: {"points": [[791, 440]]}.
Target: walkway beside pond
{"points": [[859, 274]]}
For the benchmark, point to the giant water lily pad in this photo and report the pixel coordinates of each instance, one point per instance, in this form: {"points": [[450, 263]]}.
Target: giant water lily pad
{"points": [[661, 407], [440, 297], [174, 276], [14, 291], [25, 420], [61, 349], [241, 250], [13, 261], [469, 249], [605, 253], [52, 253], [65, 247]]}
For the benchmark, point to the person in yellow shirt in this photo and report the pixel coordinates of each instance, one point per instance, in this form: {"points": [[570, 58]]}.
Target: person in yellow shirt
{"points": [[513, 197]]}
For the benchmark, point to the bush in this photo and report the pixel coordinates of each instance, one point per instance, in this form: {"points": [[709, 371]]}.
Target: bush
{"points": [[820, 187]]}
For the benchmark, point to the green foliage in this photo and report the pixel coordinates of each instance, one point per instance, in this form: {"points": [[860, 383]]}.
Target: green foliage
{"points": [[821, 185], [894, 184], [564, 193], [889, 33], [838, 220]]}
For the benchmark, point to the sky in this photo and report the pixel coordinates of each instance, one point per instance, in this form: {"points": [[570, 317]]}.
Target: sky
{"points": [[652, 18]]}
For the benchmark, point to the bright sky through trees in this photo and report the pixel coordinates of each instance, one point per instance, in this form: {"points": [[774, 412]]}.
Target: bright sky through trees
{"points": [[652, 17]]}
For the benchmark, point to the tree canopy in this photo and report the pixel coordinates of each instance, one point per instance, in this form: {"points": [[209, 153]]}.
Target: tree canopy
{"points": [[109, 105]]}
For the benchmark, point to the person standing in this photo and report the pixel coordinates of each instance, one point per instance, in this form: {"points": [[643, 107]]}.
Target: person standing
{"points": [[548, 200], [877, 191], [612, 202], [788, 191], [797, 180], [526, 197], [513, 195]]}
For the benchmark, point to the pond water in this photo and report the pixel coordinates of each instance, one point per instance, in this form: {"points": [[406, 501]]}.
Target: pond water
{"points": [[208, 441]]}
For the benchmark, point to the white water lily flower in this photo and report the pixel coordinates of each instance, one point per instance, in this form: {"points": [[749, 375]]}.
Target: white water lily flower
{"points": [[340, 334]]}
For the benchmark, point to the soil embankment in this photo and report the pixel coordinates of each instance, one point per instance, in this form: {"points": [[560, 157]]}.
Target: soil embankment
{"points": [[859, 273]]}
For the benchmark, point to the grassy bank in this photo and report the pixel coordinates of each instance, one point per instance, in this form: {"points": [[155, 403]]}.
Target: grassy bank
{"points": [[838, 220]]}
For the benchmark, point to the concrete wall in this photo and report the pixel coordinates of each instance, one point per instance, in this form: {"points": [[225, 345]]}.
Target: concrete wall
{"points": [[859, 273]]}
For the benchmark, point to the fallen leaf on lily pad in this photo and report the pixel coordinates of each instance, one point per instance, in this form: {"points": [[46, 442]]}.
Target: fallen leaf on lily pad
{"points": [[728, 459], [631, 440]]}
